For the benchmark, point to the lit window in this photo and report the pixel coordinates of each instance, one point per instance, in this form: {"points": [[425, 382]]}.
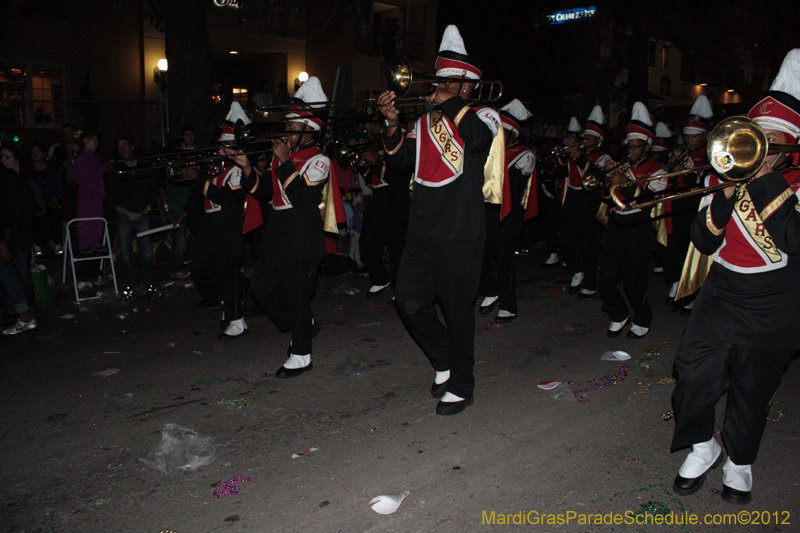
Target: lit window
{"points": [[39, 102], [240, 95]]}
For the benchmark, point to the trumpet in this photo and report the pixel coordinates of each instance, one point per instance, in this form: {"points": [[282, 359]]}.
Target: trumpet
{"points": [[562, 151], [590, 182], [737, 149]]}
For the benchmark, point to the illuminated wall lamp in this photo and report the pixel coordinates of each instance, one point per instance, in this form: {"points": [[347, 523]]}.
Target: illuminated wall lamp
{"points": [[160, 75]]}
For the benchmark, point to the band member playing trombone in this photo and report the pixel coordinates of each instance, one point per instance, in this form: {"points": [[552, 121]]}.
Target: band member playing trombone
{"points": [[580, 230], [446, 231], [285, 274], [743, 329], [629, 240], [215, 268]]}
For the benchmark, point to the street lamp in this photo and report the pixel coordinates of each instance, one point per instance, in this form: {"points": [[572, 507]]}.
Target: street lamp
{"points": [[160, 77], [300, 80]]}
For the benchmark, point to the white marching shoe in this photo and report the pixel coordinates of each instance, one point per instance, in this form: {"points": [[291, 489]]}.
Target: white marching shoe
{"points": [[701, 460]]}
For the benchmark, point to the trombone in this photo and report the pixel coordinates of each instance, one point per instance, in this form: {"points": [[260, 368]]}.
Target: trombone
{"points": [[400, 77], [354, 155], [243, 136], [737, 149]]}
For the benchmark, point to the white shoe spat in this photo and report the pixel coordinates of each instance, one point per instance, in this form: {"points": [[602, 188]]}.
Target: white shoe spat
{"points": [[449, 397], [489, 300], [739, 477], [700, 459], [297, 361]]}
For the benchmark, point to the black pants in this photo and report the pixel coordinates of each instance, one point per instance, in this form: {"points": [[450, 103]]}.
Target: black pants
{"points": [[218, 278], [705, 367], [451, 273], [580, 237], [283, 289], [499, 248], [379, 233], [632, 268], [673, 256], [48, 227], [550, 217]]}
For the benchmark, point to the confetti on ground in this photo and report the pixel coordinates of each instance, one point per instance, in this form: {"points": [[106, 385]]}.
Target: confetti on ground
{"points": [[228, 487], [645, 388], [370, 324], [307, 450], [657, 508], [68, 317], [247, 361], [490, 328], [612, 378], [212, 380], [780, 413], [234, 404]]}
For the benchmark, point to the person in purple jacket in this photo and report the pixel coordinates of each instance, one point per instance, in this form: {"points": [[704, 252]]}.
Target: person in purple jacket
{"points": [[88, 173]]}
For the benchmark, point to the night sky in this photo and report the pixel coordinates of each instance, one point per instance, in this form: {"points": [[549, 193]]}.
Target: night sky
{"points": [[540, 63]]}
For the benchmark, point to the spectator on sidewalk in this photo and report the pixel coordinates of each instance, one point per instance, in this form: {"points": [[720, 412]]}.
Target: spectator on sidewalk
{"points": [[49, 228], [87, 174], [132, 194], [17, 213]]}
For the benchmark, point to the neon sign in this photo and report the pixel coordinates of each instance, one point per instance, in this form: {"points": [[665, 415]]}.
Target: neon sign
{"points": [[572, 15]]}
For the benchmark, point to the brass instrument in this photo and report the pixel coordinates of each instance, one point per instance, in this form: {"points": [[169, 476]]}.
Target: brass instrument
{"points": [[400, 78], [590, 182], [563, 150], [244, 135], [680, 157], [354, 155], [737, 149], [175, 161]]}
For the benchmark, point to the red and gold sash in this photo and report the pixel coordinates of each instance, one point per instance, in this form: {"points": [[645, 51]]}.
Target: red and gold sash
{"points": [[440, 150]]}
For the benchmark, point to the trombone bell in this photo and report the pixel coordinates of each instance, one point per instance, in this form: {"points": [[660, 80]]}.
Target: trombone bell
{"points": [[737, 148]]}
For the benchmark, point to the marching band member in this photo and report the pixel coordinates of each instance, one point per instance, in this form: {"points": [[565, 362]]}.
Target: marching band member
{"points": [[552, 188], [696, 127], [629, 239], [215, 268], [742, 332], [444, 244], [659, 152], [285, 274], [385, 222], [581, 230], [503, 221]]}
